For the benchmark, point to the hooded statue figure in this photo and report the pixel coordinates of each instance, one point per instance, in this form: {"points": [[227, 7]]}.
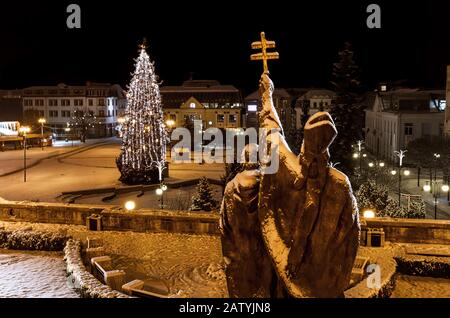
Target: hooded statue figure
{"points": [[301, 238]]}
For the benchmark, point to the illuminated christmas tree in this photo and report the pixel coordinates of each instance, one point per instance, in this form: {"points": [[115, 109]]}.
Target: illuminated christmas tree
{"points": [[143, 152]]}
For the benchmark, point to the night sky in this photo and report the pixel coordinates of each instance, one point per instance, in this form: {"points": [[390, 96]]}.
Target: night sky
{"points": [[212, 40]]}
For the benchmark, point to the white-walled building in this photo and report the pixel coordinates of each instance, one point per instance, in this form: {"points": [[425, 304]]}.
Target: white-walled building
{"points": [[447, 109], [400, 116], [57, 105]]}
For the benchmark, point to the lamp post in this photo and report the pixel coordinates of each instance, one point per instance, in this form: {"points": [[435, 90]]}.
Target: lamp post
{"points": [[121, 120], [67, 130], [435, 190], [160, 191], [400, 154], [24, 130], [42, 121]]}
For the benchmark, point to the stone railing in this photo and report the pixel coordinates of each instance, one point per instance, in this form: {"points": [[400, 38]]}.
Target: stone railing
{"points": [[145, 220], [112, 217], [423, 231]]}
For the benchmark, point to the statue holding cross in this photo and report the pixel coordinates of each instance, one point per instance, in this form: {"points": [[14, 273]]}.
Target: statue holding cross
{"points": [[295, 232], [264, 55]]}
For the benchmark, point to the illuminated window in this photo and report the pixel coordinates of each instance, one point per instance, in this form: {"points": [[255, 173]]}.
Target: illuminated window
{"points": [[252, 108], [192, 105]]}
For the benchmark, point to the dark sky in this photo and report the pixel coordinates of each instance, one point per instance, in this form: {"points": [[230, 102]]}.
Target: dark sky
{"points": [[212, 39]]}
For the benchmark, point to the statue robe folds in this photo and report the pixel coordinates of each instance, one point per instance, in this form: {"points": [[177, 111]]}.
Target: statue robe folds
{"points": [[306, 222], [308, 215]]}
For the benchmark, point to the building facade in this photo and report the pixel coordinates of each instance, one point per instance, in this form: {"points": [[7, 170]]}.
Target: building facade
{"points": [[282, 101], [214, 104], [316, 100], [447, 109], [399, 116], [61, 104]]}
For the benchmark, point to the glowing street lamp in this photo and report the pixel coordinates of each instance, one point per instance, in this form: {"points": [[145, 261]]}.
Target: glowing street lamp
{"points": [[67, 130], [24, 130], [42, 121], [130, 205], [170, 123], [160, 192], [435, 189], [371, 164], [368, 214]]}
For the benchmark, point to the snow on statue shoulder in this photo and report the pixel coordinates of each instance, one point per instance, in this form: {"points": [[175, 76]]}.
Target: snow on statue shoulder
{"points": [[307, 221]]}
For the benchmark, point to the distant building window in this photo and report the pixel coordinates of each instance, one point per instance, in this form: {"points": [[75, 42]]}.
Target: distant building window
{"points": [[315, 104], [65, 102], [383, 88], [53, 113], [52, 102], [192, 105], [91, 102], [408, 129], [38, 102], [252, 108], [101, 102], [220, 118], [78, 102], [101, 113], [65, 113], [232, 118]]}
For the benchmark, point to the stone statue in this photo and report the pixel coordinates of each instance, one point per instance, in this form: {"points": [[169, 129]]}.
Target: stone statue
{"points": [[294, 233]]}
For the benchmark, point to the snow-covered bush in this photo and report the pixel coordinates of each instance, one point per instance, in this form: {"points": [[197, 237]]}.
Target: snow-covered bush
{"points": [[376, 197], [32, 240], [83, 281]]}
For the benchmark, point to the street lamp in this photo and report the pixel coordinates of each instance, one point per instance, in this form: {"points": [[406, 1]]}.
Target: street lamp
{"points": [[368, 214], [400, 154], [160, 192], [24, 130], [435, 189], [67, 130], [121, 121], [42, 121], [130, 205]]}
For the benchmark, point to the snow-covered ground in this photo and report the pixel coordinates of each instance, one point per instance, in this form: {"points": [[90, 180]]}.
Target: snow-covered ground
{"points": [[190, 265], [421, 287], [26, 274], [178, 199], [91, 167]]}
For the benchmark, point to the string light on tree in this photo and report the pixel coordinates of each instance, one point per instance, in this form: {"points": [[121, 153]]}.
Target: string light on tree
{"points": [[143, 151]]}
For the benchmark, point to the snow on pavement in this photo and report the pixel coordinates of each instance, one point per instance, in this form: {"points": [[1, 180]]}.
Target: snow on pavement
{"points": [[31, 274]]}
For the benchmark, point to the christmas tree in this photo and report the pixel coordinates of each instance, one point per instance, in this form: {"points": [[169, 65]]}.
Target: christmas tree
{"points": [[347, 113], [143, 151], [203, 200]]}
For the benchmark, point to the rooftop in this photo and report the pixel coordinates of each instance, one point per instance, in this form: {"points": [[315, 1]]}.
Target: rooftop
{"points": [[199, 86]]}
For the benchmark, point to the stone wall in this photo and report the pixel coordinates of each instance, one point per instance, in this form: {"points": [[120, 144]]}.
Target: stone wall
{"points": [[144, 220], [112, 217], [412, 230]]}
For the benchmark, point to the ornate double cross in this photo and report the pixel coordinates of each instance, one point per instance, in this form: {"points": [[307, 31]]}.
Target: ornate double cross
{"points": [[264, 55]]}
